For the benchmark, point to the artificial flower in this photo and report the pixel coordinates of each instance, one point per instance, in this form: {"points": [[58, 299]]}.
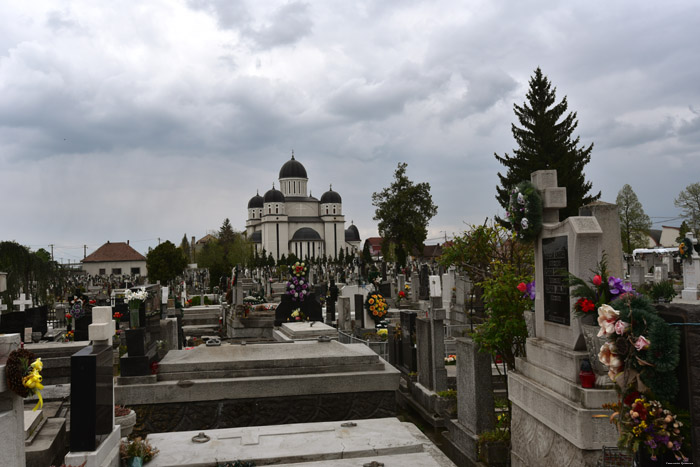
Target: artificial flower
{"points": [[620, 327], [524, 223], [642, 343], [607, 316], [522, 287], [597, 280]]}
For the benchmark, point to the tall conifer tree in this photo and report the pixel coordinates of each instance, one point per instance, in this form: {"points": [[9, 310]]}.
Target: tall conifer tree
{"points": [[545, 141]]}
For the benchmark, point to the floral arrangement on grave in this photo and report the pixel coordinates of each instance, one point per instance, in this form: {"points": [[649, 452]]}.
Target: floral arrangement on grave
{"points": [[23, 371], [524, 211], [117, 315], [401, 296], [69, 319], [376, 306], [451, 360], [641, 353], [134, 299], [137, 448], [297, 285], [601, 289], [528, 289], [69, 336], [297, 315], [76, 308], [685, 249]]}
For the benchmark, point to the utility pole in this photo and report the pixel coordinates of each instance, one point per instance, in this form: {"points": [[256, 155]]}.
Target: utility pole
{"points": [[51, 245], [84, 251], [158, 240]]}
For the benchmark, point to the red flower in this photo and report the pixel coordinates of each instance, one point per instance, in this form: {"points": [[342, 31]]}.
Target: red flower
{"points": [[92, 302], [402, 294], [597, 280], [631, 397], [522, 287], [585, 305]]}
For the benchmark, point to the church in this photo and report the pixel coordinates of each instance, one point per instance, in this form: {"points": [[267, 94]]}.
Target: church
{"points": [[289, 220]]}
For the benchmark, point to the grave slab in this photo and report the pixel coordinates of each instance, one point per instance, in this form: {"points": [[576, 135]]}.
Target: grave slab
{"points": [[307, 330]]}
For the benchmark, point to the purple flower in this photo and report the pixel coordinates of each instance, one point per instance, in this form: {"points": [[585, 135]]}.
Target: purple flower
{"points": [[615, 285], [531, 290]]}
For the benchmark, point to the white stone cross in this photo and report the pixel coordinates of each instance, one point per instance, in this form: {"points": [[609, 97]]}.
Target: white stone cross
{"points": [[22, 301], [103, 327]]}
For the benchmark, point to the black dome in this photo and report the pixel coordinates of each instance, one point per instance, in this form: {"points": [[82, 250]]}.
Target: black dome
{"points": [[292, 169], [331, 197], [256, 237], [352, 234], [255, 202], [274, 196], [306, 233]]}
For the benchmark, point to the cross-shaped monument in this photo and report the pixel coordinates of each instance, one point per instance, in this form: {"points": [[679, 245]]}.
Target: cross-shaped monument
{"points": [[22, 301]]}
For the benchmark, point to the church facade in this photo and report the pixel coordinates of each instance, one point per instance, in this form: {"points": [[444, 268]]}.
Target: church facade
{"points": [[290, 220]]}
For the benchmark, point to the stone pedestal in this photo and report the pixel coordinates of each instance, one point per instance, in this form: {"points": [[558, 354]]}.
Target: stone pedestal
{"points": [[11, 409], [691, 277]]}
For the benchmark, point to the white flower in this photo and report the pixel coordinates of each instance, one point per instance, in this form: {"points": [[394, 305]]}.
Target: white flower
{"points": [[524, 223], [521, 198], [607, 316]]}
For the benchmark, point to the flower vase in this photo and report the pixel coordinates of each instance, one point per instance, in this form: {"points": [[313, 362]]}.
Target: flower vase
{"points": [[134, 462], [589, 319], [134, 306], [642, 458], [593, 345]]}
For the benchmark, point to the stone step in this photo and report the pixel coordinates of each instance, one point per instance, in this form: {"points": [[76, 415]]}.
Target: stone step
{"points": [[243, 373], [203, 321]]}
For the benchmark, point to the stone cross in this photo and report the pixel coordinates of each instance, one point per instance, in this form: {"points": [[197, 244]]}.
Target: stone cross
{"points": [[553, 196], [102, 329], [22, 301]]}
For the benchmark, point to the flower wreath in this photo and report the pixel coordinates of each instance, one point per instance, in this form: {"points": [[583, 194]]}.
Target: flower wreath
{"points": [[24, 378], [685, 249], [641, 353], [376, 306], [525, 211], [298, 285]]}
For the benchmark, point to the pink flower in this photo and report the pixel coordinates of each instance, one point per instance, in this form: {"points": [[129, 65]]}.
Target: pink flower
{"points": [[609, 358], [597, 280], [607, 316], [620, 327], [642, 343]]}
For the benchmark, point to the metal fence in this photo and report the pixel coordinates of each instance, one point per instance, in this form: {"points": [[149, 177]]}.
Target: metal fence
{"points": [[380, 348]]}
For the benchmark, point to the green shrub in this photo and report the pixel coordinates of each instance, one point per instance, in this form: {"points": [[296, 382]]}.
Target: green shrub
{"points": [[196, 301], [663, 290]]}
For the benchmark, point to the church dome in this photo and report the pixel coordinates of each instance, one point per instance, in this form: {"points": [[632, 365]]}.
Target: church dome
{"points": [[352, 234], [274, 196], [331, 197], [292, 169], [255, 202], [306, 233]]}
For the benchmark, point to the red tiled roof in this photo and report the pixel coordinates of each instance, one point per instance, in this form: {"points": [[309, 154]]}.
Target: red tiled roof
{"points": [[117, 251], [206, 239]]}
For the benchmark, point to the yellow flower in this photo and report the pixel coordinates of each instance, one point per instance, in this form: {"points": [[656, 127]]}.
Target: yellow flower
{"points": [[370, 301], [374, 313]]}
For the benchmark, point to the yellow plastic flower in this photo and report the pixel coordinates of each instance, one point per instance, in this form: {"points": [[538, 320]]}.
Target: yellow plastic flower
{"points": [[370, 301], [374, 313]]}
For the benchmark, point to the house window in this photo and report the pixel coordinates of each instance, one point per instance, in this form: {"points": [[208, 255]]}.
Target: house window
{"points": [[117, 271], [103, 271], [135, 271]]}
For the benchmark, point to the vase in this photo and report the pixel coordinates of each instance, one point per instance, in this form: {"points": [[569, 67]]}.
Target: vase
{"points": [[593, 345], [589, 319], [134, 306], [134, 462], [642, 458], [126, 423]]}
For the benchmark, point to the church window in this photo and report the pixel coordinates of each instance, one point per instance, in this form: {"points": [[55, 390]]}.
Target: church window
{"points": [[269, 209], [326, 210], [333, 209], [277, 209]]}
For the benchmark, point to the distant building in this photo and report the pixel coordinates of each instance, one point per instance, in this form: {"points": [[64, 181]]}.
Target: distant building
{"points": [[375, 246], [664, 237], [290, 220], [117, 258]]}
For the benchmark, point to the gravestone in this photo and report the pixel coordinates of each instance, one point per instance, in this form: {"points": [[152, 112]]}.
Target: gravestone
{"points": [[424, 289], [360, 313], [345, 321], [609, 220], [409, 358], [430, 343], [330, 303], [637, 274], [547, 399], [660, 273], [310, 307], [22, 302], [415, 286], [11, 410], [401, 283], [13, 323], [385, 290], [81, 326], [691, 272], [36, 318]]}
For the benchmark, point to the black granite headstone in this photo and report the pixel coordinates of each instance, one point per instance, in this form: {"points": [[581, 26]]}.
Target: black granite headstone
{"points": [[36, 318], [91, 394], [136, 342], [555, 269], [81, 326], [409, 361], [310, 307], [424, 286], [385, 290], [13, 323], [360, 310]]}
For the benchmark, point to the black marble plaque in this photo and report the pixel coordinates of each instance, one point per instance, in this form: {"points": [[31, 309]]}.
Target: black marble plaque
{"points": [[555, 269], [81, 326], [13, 323], [310, 307], [92, 397], [359, 309], [36, 319], [407, 359]]}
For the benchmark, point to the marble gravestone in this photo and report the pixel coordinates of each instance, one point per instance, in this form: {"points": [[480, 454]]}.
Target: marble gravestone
{"points": [[691, 273], [547, 399]]}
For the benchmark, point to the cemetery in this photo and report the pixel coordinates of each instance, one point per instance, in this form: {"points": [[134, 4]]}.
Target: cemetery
{"points": [[339, 364]]}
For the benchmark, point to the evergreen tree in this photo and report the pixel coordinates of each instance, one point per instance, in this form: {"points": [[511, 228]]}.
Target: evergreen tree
{"points": [[341, 256], [545, 141], [684, 229], [366, 253], [634, 223], [689, 202], [403, 211], [185, 247]]}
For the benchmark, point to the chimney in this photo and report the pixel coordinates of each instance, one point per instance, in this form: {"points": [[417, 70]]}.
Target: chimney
{"points": [[127, 242]]}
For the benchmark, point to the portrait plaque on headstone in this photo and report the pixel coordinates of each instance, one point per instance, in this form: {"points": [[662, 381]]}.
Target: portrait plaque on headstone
{"points": [[555, 268]]}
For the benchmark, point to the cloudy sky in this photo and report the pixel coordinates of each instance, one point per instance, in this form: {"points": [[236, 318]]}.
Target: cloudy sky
{"points": [[148, 120]]}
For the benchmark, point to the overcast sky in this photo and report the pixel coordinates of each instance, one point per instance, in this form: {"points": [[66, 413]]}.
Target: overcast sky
{"points": [[144, 120]]}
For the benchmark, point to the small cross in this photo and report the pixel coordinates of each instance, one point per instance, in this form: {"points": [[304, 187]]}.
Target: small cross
{"points": [[22, 301]]}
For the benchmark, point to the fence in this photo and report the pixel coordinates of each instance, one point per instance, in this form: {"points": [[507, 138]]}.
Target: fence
{"points": [[380, 348]]}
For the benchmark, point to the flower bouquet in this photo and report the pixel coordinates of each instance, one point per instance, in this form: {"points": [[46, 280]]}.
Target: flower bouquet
{"points": [[376, 306], [685, 249], [297, 315], [602, 289], [76, 308], [69, 336], [23, 371], [451, 360], [641, 353], [524, 211], [137, 449], [134, 299], [297, 285]]}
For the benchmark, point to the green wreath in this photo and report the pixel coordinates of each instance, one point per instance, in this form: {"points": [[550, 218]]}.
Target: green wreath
{"points": [[685, 249], [525, 211]]}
